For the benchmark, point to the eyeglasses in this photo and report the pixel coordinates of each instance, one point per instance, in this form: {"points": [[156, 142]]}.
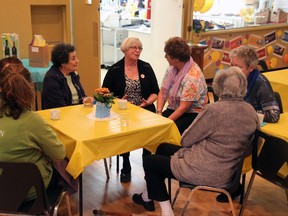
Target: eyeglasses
{"points": [[134, 48]]}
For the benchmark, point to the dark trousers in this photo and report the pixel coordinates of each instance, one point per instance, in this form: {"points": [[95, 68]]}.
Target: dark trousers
{"points": [[157, 169], [184, 121], [126, 168]]}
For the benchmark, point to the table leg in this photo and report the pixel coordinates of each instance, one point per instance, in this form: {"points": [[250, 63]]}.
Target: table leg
{"points": [[80, 195]]}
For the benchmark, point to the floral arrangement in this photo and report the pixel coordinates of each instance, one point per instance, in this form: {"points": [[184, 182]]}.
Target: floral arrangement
{"points": [[103, 95]]}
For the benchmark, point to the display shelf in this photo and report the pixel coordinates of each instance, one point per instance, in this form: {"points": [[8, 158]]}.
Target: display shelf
{"points": [[111, 39]]}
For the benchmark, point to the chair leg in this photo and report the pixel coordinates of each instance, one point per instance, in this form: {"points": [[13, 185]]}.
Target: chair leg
{"points": [[188, 199], [169, 188], [247, 193], [231, 204], [68, 205], [106, 169], [110, 162], [175, 197], [117, 163], [243, 186]]}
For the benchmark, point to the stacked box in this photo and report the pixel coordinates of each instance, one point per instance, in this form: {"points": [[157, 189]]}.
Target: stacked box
{"points": [[263, 16], [38, 56], [278, 16]]}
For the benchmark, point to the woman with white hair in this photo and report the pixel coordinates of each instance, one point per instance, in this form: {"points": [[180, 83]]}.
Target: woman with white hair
{"points": [[216, 138], [134, 80], [259, 91]]}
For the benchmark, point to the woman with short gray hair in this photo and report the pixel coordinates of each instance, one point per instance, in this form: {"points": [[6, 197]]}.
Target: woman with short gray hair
{"points": [[259, 91], [230, 83], [211, 146]]}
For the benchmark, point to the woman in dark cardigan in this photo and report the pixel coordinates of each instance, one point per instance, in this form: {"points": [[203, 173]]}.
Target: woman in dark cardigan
{"points": [[134, 80]]}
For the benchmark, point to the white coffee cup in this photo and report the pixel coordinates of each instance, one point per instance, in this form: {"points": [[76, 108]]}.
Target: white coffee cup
{"points": [[122, 103], [260, 117], [55, 114]]}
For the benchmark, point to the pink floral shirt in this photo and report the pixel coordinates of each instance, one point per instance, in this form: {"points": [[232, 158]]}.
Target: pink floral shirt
{"points": [[192, 88]]}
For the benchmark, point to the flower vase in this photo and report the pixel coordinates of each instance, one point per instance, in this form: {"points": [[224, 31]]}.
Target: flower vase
{"points": [[102, 110]]}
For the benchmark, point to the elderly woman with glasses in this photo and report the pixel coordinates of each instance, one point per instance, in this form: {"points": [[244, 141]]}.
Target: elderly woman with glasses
{"points": [[259, 91], [134, 80]]}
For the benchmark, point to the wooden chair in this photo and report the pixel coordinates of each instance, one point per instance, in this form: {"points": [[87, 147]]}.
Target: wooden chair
{"points": [[16, 180], [279, 101], [270, 164], [263, 66], [211, 95], [228, 190]]}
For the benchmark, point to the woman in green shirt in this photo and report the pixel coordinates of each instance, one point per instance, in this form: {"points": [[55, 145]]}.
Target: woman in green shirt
{"points": [[24, 135]]}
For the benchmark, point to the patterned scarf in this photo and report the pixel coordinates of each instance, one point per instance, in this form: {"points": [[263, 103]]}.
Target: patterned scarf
{"points": [[174, 79]]}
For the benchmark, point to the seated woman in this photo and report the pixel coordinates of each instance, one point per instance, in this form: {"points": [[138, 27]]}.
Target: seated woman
{"points": [[132, 79], [183, 87], [214, 133], [259, 91], [25, 136], [61, 84]]}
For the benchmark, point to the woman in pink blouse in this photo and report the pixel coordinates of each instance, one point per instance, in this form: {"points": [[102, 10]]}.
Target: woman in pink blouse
{"points": [[183, 87]]}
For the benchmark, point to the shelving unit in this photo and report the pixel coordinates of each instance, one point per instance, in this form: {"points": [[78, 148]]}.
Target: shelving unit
{"points": [[111, 39]]}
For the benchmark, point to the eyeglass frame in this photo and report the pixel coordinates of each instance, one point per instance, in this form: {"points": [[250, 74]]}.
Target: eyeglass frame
{"points": [[135, 48]]}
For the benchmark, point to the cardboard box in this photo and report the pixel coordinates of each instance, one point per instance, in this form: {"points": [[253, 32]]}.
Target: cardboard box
{"points": [[263, 16], [278, 16], [38, 56]]}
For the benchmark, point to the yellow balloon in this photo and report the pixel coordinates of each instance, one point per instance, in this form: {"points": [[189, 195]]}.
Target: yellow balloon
{"points": [[273, 62], [279, 33], [270, 50], [215, 56], [198, 5], [207, 6]]}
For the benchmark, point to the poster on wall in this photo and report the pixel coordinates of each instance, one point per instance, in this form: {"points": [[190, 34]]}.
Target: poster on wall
{"points": [[207, 60], [235, 42], [262, 53], [285, 37], [279, 50], [226, 58], [254, 40], [270, 38], [218, 44]]}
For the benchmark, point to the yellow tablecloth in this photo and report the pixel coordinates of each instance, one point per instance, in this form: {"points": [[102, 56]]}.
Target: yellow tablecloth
{"points": [[279, 129], [279, 82], [87, 140]]}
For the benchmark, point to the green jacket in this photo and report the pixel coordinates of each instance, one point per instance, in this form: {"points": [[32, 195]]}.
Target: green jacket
{"points": [[30, 139]]}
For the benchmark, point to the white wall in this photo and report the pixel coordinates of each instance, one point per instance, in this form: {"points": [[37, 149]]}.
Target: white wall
{"points": [[166, 18]]}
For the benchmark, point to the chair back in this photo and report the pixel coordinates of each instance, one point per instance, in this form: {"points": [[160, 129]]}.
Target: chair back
{"points": [[279, 101], [263, 65], [236, 180], [272, 157], [212, 97], [16, 180]]}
